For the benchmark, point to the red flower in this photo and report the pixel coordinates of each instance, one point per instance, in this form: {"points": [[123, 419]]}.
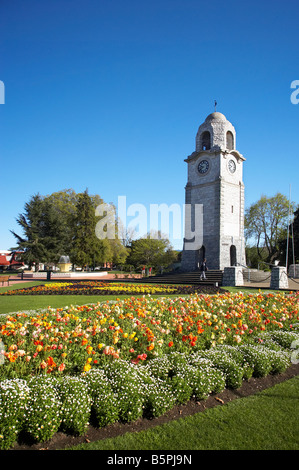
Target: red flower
{"points": [[51, 362]]}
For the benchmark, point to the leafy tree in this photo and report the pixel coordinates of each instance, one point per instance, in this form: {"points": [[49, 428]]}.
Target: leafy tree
{"points": [[254, 259], [266, 224], [43, 235], [63, 223], [87, 248], [155, 252]]}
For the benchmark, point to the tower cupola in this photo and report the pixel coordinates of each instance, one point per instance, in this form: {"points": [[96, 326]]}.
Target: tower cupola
{"points": [[216, 133]]}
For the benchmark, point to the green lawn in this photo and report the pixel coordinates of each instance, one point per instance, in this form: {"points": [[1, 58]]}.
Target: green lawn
{"points": [[18, 303], [265, 421]]}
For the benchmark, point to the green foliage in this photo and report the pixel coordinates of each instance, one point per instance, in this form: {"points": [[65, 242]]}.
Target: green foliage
{"points": [[43, 238], [152, 251], [43, 415], [76, 405], [282, 339], [158, 395], [14, 395], [266, 223], [180, 389], [124, 391], [105, 406], [63, 223], [264, 360], [86, 245], [126, 384]]}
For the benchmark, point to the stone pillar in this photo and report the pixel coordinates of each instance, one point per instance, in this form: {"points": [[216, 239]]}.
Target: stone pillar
{"points": [[294, 271], [279, 278], [233, 276]]}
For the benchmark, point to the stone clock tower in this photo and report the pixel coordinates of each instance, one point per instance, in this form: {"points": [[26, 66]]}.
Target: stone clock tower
{"points": [[215, 184]]}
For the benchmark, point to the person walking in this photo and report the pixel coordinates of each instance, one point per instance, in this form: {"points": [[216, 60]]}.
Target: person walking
{"points": [[203, 269]]}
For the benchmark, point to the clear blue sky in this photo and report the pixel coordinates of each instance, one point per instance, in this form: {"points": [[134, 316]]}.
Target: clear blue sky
{"points": [[108, 95]]}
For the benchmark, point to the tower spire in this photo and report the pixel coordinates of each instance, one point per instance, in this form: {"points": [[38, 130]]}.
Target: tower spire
{"points": [[215, 103]]}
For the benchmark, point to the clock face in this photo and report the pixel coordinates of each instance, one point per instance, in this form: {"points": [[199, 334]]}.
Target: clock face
{"points": [[231, 166], [203, 166]]}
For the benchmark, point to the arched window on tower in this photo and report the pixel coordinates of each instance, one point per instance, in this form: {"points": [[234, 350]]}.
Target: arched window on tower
{"points": [[229, 140], [205, 141]]}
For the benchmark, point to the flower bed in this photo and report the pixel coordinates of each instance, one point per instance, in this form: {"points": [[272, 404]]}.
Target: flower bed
{"points": [[109, 288], [122, 391], [72, 340], [135, 357]]}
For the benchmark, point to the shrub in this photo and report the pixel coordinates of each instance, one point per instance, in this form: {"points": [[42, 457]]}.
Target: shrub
{"points": [[231, 369], [280, 361], [128, 388], [259, 357], [238, 357], [158, 396], [14, 396], [43, 416], [76, 405], [105, 407], [181, 389], [216, 376], [159, 367], [295, 327], [196, 378], [177, 359], [284, 338], [267, 341]]}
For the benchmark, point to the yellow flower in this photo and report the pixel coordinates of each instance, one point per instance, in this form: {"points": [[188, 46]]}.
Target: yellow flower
{"points": [[87, 367]]}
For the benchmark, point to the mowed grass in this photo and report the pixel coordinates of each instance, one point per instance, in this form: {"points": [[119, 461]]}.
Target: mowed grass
{"points": [[265, 421], [17, 303]]}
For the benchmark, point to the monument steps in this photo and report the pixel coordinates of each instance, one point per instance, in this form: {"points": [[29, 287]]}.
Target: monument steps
{"points": [[213, 276]]}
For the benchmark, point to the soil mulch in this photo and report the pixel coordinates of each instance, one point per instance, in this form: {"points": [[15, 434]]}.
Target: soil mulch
{"points": [[254, 385]]}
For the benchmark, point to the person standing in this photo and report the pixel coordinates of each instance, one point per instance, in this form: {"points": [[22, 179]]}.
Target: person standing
{"points": [[203, 269]]}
